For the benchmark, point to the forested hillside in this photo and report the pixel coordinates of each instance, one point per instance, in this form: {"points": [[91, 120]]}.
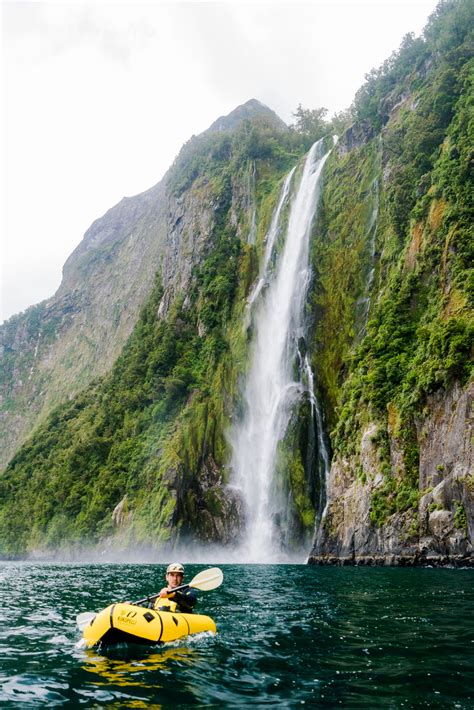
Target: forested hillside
{"points": [[150, 436], [394, 307], [139, 452]]}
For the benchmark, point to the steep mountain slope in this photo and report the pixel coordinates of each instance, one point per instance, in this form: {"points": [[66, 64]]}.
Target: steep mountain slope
{"points": [[140, 455], [149, 437], [53, 350], [394, 303]]}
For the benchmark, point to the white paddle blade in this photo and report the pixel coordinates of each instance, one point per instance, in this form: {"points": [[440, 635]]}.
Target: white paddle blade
{"points": [[207, 579], [85, 618]]}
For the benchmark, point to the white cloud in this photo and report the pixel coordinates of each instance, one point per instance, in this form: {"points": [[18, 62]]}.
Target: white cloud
{"points": [[97, 99]]}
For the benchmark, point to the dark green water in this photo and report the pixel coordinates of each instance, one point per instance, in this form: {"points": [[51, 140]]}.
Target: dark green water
{"points": [[288, 635]]}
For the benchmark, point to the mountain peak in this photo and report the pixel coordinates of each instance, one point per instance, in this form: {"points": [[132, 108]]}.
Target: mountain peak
{"points": [[248, 111]]}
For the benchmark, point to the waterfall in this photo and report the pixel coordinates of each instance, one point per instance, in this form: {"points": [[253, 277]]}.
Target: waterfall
{"points": [[270, 390], [324, 459], [270, 240]]}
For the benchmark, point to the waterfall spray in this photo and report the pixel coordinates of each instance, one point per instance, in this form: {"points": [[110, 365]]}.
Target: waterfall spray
{"points": [[271, 391]]}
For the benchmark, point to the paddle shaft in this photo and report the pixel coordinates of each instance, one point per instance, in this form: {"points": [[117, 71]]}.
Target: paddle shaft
{"points": [[151, 596]]}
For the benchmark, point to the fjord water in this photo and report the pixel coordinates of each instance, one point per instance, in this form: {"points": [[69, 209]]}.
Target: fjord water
{"points": [[288, 635]]}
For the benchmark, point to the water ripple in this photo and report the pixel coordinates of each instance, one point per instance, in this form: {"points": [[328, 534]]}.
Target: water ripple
{"points": [[287, 635]]}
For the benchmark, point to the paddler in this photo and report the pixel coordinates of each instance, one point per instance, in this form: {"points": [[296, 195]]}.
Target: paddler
{"points": [[182, 600]]}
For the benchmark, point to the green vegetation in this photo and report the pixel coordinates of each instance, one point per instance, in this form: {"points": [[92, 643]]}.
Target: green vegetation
{"points": [[390, 314], [221, 155], [153, 430], [419, 337], [419, 331], [447, 39], [341, 255], [297, 477], [40, 333], [460, 519], [107, 442]]}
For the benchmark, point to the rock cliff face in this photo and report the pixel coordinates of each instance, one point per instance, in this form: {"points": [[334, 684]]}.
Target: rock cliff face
{"points": [[438, 531], [398, 398], [55, 349], [252, 110], [138, 332]]}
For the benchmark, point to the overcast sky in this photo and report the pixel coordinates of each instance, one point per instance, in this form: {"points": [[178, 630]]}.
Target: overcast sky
{"points": [[97, 99]]}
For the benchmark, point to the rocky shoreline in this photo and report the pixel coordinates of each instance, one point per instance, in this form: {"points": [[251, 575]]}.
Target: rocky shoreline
{"points": [[447, 561]]}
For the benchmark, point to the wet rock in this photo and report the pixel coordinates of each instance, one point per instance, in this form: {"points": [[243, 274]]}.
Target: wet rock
{"points": [[440, 523], [357, 135], [440, 530], [121, 515]]}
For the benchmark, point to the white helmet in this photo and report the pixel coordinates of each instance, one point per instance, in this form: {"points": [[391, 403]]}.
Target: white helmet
{"points": [[175, 567]]}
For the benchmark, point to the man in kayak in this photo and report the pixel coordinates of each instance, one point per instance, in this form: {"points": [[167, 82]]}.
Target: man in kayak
{"points": [[183, 600]]}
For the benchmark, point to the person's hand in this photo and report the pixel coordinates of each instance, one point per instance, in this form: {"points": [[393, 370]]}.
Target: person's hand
{"points": [[164, 592]]}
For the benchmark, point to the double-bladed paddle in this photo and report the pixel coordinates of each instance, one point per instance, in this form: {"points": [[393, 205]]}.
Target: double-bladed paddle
{"points": [[204, 581]]}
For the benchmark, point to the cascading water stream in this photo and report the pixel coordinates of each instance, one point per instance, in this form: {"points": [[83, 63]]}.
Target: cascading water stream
{"points": [[323, 452], [270, 240], [271, 390]]}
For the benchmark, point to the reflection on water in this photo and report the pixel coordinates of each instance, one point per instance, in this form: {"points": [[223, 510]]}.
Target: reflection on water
{"points": [[127, 666], [287, 635]]}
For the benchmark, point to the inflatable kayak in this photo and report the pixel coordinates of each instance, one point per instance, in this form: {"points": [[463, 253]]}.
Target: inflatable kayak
{"points": [[121, 623]]}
